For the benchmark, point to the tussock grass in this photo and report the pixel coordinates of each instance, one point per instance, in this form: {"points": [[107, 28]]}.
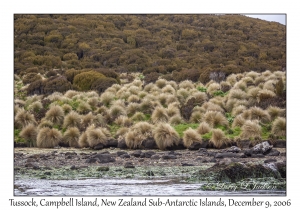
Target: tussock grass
{"points": [[159, 115], [215, 118], [259, 114], [95, 136], [116, 110], [138, 116], [218, 138], [123, 121], [175, 120], [106, 98], [83, 140], [279, 127], [29, 133], [186, 84], [251, 129], [196, 117], [72, 120], [66, 108], [238, 121], [71, 137], [24, 118], [48, 138], [275, 112], [165, 136], [191, 136], [203, 128], [137, 134]]}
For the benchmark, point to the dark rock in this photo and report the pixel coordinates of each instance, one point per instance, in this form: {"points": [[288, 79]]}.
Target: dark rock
{"points": [[273, 152], [180, 146], [167, 157], [47, 173], [36, 167], [281, 168], [63, 144], [53, 152], [213, 160], [155, 157], [35, 156], [270, 160], [119, 153], [248, 152], [141, 160], [195, 146], [283, 154], [198, 159], [98, 146], [112, 143], [47, 168], [29, 160], [129, 165], [233, 149], [31, 165], [91, 160], [70, 153], [104, 158], [279, 143], [17, 169], [202, 150], [136, 153], [69, 157], [125, 156], [20, 144], [149, 173], [147, 154], [103, 168], [228, 155], [187, 164], [118, 169], [122, 144], [262, 148], [103, 152], [149, 143], [225, 161], [257, 156], [73, 167], [244, 144]]}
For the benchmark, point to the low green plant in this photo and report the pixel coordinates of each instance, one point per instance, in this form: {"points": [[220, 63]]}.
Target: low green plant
{"points": [[180, 128], [202, 89]]}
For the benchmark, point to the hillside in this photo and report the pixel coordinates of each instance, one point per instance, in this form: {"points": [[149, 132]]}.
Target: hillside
{"points": [[148, 43]]}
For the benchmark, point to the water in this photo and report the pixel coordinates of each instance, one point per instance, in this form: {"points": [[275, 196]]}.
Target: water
{"points": [[122, 187]]}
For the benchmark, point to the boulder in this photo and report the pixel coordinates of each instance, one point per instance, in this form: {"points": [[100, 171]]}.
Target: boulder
{"points": [[168, 157], [228, 155], [136, 153], [119, 153], [112, 143], [262, 148], [273, 152], [129, 165], [149, 143], [104, 158], [233, 149], [122, 144]]}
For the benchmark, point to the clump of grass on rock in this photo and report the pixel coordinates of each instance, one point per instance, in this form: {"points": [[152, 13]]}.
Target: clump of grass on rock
{"points": [[191, 136], [29, 133], [165, 136], [55, 115], [279, 127], [48, 138], [71, 136], [218, 138]]}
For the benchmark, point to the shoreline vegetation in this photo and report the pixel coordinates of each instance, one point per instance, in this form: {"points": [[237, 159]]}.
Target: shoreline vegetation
{"points": [[205, 94]]}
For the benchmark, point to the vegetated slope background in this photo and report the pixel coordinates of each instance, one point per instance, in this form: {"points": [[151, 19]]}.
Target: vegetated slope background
{"points": [[177, 46]]}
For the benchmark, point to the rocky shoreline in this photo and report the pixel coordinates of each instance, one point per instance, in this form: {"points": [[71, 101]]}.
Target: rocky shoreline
{"points": [[230, 165]]}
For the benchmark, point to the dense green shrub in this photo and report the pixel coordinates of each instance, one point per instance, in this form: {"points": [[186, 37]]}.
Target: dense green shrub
{"points": [[56, 84], [101, 84], [36, 87], [152, 77], [30, 77], [85, 80]]}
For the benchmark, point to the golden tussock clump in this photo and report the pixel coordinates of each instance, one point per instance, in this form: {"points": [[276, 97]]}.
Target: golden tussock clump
{"points": [[123, 121], [116, 111], [173, 109], [199, 96], [71, 93], [265, 94], [191, 136], [165, 136], [209, 106], [133, 98], [238, 110], [133, 107], [121, 132], [279, 127], [159, 115], [203, 128], [182, 95], [106, 98], [93, 101], [259, 114], [71, 137], [137, 134], [138, 116], [160, 83], [275, 112], [48, 138], [186, 84], [213, 87], [95, 136], [251, 129], [175, 120], [66, 108], [218, 138], [35, 106], [214, 118], [169, 89], [24, 118], [29, 133], [72, 120], [237, 94], [83, 140], [232, 79], [149, 87], [238, 121], [83, 107], [196, 117]]}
